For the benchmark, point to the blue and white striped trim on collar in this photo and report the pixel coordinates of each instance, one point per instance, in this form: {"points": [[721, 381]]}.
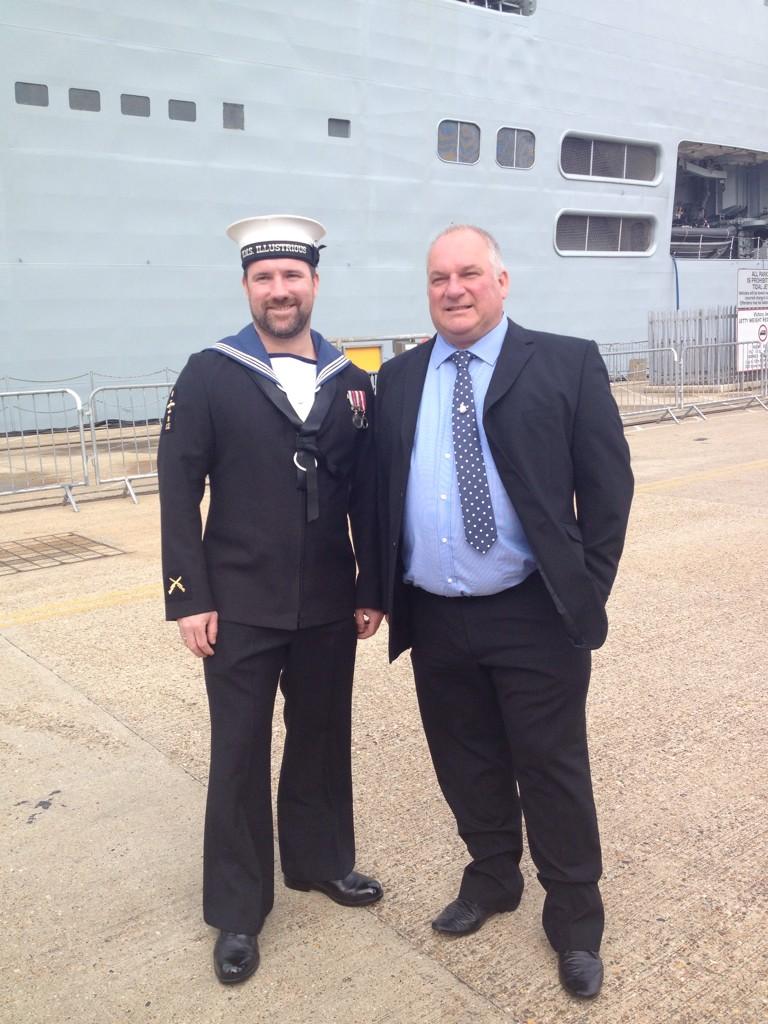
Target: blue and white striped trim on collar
{"points": [[237, 354], [330, 370], [249, 350]]}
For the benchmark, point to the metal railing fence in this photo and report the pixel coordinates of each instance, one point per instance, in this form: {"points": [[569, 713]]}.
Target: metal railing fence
{"points": [[691, 362], [85, 383], [696, 356], [716, 244], [43, 439], [628, 372], [125, 427]]}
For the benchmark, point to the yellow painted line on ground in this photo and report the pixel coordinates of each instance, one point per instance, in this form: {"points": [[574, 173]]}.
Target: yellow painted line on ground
{"points": [[707, 474], [81, 605]]}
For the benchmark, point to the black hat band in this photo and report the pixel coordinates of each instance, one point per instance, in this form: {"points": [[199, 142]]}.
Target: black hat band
{"points": [[280, 251]]}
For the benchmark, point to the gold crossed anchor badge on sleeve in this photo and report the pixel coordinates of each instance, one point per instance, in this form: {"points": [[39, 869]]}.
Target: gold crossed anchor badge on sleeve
{"points": [[176, 584]]}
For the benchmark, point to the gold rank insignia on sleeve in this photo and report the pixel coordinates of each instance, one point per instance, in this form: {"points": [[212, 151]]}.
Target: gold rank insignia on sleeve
{"points": [[169, 410], [176, 584]]}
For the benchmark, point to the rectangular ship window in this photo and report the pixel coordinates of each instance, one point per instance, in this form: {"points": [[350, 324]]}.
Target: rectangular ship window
{"points": [[603, 234], [233, 116], [584, 156], [85, 99], [458, 142], [31, 94], [134, 106], [339, 128], [182, 110]]}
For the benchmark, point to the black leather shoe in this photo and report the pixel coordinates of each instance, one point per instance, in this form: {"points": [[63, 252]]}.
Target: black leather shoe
{"points": [[355, 890], [235, 957], [462, 917], [581, 972]]}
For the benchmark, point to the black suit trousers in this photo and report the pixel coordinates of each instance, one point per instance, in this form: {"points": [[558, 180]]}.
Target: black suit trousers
{"points": [[502, 694], [314, 667]]}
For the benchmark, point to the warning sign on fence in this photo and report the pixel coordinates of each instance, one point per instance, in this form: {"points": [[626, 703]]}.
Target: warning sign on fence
{"points": [[752, 319]]}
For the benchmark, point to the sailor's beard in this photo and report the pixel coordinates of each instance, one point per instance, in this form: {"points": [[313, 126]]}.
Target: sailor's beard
{"points": [[280, 326]]}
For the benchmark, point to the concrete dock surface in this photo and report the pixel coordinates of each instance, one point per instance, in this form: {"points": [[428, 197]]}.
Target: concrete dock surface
{"points": [[103, 760]]}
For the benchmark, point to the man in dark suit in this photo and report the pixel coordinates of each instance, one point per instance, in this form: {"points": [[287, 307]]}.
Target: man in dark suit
{"points": [[506, 492], [278, 421]]}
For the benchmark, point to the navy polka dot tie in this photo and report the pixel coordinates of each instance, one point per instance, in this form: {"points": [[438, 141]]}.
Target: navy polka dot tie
{"points": [[476, 507]]}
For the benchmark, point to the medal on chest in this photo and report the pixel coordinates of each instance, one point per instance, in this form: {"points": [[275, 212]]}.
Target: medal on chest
{"points": [[356, 401]]}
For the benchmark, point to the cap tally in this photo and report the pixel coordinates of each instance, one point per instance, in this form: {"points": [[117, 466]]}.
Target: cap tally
{"points": [[277, 237]]}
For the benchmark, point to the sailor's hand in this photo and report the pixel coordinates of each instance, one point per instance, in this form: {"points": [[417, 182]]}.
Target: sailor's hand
{"points": [[367, 621], [199, 632]]}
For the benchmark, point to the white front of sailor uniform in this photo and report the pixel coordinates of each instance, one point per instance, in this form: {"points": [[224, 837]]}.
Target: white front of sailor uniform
{"points": [[285, 587]]}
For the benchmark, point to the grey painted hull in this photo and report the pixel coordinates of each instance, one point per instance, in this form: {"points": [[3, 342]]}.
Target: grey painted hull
{"points": [[113, 256]]}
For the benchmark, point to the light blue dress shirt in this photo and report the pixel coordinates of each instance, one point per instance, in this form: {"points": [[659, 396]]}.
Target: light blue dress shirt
{"points": [[436, 555]]}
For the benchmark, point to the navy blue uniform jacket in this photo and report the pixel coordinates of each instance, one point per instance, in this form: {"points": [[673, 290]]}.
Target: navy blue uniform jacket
{"points": [[259, 562]]}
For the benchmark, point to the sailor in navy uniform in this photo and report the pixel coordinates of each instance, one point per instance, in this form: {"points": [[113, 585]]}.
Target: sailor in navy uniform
{"points": [[279, 422]]}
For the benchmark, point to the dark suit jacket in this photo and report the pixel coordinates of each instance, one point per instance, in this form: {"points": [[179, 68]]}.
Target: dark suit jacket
{"points": [[260, 562], [558, 443]]}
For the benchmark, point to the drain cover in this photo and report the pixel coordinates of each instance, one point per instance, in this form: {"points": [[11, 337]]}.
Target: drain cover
{"points": [[43, 552]]}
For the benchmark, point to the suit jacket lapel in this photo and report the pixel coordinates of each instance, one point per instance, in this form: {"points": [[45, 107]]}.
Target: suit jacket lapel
{"points": [[516, 350], [412, 388]]}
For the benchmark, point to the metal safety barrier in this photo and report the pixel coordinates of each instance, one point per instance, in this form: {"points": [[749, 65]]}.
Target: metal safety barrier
{"points": [[681, 380], [43, 442], [692, 363], [629, 373], [125, 428], [694, 357]]}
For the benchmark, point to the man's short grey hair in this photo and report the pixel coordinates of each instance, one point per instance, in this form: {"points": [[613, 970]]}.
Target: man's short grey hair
{"points": [[494, 250]]}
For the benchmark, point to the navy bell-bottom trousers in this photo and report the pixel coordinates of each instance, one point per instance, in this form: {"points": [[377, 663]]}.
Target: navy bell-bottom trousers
{"points": [[314, 668]]}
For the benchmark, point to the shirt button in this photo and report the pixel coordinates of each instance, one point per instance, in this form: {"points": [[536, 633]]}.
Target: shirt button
{"points": [[443, 497], [447, 455], [444, 540], [450, 579]]}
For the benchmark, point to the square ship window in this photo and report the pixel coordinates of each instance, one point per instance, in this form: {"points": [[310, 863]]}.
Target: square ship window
{"points": [[515, 147], [182, 110], [134, 106], [458, 142], [339, 128], [85, 99]]}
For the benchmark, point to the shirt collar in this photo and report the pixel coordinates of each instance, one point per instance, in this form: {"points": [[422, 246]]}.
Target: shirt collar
{"points": [[486, 348]]}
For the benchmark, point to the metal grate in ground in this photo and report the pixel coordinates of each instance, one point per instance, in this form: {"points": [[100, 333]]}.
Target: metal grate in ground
{"points": [[44, 552]]}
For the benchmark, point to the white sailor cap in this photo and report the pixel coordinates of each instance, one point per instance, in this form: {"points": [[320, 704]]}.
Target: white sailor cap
{"points": [[278, 236]]}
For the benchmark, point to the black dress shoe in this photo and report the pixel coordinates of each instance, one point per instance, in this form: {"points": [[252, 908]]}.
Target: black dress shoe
{"points": [[355, 890], [462, 917], [581, 972], [235, 957]]}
